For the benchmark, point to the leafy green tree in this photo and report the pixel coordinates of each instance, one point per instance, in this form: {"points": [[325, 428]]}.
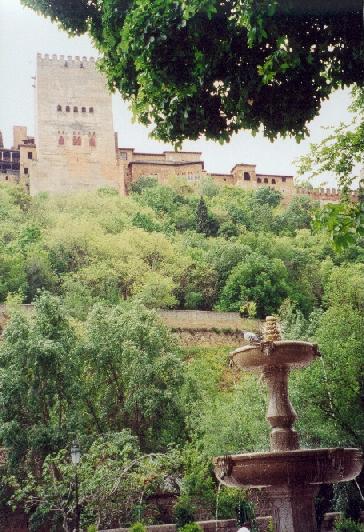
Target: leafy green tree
{"points": [[143, 183], [330, 391], [145, 222], [115, 480], [157, 291], [298, 215], [212, 67], [39, 274], [12, 274], [341, 153], [268, 196], [197, 286], [257, 279], [39, 384], [136, 373], [345, 285]]}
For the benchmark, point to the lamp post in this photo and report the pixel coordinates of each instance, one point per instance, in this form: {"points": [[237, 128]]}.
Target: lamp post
{"points": [[76, 457]]}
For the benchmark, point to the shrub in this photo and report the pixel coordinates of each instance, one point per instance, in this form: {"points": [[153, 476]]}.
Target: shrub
{"points": [[191, 527], [184, 511], [348, 525], [138, 527]]}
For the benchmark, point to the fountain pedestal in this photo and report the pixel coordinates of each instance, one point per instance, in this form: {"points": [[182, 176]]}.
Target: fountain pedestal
{"points": [[291, 476], [293, 507]]}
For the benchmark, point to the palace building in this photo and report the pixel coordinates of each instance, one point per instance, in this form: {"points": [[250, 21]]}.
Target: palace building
{"points": [[75, 147]]}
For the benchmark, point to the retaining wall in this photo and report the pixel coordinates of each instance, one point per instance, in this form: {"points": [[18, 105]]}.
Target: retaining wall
{"points": [[194, 320], [204, 319], [228, 525]]}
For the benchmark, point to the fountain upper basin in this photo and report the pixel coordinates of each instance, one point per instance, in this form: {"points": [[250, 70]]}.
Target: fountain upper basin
{"points": [[304, 466], [278, 353]]}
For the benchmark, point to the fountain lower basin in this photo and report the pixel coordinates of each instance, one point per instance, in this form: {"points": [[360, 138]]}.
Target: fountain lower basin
{"points": [[289, 468]]}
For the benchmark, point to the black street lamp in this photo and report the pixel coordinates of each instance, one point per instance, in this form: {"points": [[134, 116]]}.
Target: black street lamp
{"points": [[76, 457]]}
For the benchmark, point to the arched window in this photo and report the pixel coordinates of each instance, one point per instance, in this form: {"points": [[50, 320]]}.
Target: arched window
{"points": [[68, 108], [59, 107], [259, 180], [273, 181], [92, 141], [61, 140], [246, 176], [265, 180], [91, 109], [75, 109], [83, 109]]}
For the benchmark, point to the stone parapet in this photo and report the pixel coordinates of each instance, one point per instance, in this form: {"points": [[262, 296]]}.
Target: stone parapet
{"points": [[60, 59], [325, 194]]}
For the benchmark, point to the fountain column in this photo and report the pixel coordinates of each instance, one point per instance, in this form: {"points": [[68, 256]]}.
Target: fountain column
{"points": [[281, 414], [292, 505], [293, 508]]}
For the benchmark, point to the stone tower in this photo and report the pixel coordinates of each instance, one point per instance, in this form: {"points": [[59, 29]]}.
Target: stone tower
{"points": [[74, 130]]}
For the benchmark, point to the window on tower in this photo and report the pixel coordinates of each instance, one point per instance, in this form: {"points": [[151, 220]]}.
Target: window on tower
{"points": [[92, 141], [91, 109], [246, 176], [75, 109], [59, 107], [68, 108], [83, 109], [61, 140]]}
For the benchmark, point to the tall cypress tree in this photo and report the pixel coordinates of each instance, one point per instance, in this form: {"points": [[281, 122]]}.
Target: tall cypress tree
{"points": [[202, 218]]}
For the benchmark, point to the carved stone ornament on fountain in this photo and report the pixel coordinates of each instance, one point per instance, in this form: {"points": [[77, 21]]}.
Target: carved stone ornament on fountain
{"points": [[290, 475]]}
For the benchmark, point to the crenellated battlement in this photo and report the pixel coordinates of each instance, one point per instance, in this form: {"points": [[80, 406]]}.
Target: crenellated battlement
{"points": [[328, 194], [65, 60]]}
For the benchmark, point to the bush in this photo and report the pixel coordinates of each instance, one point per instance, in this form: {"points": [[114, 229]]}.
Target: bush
{"points": [[184, 512], [191, 527], [348, 525], [138, 527]]}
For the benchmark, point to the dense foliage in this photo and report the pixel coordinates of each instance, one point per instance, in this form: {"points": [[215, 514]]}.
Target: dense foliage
{"points": [[213, 67], [342, 153], [165, 246], [93, 360]]}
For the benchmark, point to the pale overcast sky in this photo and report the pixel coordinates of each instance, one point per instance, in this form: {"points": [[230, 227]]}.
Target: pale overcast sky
{"points": [[23, 33]]}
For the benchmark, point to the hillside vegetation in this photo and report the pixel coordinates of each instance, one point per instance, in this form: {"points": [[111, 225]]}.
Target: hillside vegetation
{"points": [[166, 246], [94, 362]]}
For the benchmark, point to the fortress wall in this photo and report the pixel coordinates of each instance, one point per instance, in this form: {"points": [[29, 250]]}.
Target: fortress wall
{"points": [[164, 172]]}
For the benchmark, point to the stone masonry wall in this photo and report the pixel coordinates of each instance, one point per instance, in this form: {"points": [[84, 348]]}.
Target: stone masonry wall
{"points": [[204, 319]]}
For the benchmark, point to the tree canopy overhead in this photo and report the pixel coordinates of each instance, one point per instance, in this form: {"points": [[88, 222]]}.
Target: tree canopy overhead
{"points": [[213, 67]]}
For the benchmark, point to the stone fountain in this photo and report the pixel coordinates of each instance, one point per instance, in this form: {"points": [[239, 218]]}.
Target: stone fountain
{"points": [[291, 476]]}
